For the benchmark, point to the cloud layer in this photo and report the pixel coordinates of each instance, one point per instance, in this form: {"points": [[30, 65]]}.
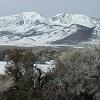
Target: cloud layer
{"points": [[50, 7]]}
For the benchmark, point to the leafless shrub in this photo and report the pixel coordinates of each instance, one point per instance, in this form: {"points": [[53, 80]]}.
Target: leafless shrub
{"points": [[6, 83], [76, 73]]}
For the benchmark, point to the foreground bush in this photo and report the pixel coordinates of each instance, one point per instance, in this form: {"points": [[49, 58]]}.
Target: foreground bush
{"points": [[76, 76]]}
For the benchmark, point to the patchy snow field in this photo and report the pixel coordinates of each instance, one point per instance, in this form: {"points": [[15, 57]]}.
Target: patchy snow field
{"points": [[2, 67], [47, 66]]}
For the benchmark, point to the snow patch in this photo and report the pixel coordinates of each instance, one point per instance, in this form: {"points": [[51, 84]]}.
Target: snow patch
{"points": [[2, 67], [47, 66]]}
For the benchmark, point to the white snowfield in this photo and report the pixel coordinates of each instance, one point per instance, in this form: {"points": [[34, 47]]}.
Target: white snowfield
{"points": [[47, 66], [31, 29], [2, 67]]}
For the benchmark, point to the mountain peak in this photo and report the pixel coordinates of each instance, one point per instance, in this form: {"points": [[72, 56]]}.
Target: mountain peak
{"points": [[73, 19], [15, 22], [31, 28]]}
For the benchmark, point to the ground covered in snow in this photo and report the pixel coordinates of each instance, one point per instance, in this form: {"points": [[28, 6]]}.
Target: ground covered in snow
{"points": [[45, 67], [2, 67]]}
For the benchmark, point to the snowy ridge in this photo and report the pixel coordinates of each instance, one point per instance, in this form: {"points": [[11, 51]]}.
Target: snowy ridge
{"points": [[73, 19], [31, 29], [19, 23]]}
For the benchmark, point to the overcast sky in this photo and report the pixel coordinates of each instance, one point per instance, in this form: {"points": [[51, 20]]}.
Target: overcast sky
{"points": [[50, 7]]}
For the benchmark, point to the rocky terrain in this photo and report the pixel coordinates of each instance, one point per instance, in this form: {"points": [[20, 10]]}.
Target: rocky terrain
{"points": [[31, 29]]}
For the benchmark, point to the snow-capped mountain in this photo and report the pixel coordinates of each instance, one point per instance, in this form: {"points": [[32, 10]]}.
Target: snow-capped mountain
{"points": [[31, 29]]}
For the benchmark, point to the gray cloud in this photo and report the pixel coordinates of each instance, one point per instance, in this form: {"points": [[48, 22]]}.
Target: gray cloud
{"points": [[50, 7]]}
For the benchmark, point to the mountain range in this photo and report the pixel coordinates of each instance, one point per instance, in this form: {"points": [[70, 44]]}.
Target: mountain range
{"points": [[31, 29]]}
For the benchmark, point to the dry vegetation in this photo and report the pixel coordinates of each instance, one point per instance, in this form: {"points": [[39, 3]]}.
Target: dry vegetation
{"points": [[76, 76]]}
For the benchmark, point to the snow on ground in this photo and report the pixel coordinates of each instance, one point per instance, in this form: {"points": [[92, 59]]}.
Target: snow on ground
{"points": [[2, 67], [47, 66]]}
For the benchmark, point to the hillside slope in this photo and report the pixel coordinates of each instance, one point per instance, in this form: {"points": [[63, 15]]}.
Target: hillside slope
{"points": [[31, 29]]}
